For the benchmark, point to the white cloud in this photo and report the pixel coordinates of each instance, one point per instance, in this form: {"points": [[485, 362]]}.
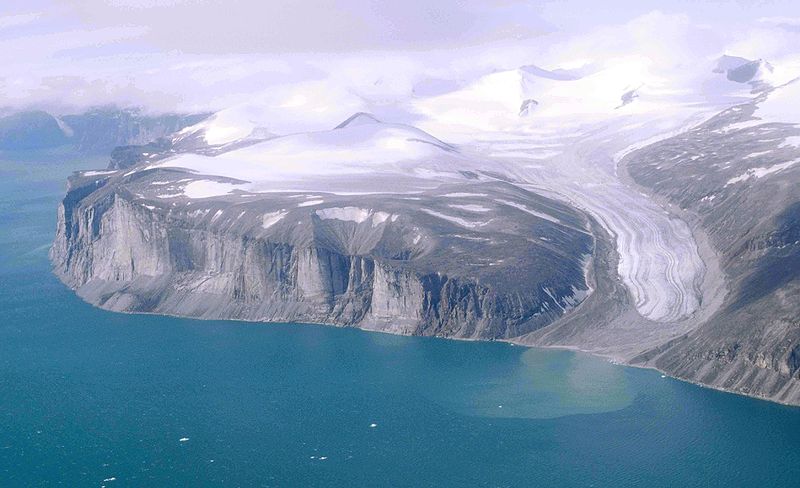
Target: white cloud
{"points": [[317, 61]]}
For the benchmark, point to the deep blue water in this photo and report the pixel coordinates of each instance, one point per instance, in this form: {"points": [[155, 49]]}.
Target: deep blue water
{"points": [[87, 395]]}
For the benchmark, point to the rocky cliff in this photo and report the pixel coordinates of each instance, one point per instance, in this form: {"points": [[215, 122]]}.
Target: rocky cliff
{"points": [[393, 263]]}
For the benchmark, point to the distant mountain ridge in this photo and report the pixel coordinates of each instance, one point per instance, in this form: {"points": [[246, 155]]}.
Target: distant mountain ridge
{"points": [[97, 130]]}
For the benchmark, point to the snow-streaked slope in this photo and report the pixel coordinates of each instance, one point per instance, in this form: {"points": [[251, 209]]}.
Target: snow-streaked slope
{"points": [[567, 146]]}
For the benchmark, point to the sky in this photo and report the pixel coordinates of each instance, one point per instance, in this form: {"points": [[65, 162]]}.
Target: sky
{"points": [[195, 55]]}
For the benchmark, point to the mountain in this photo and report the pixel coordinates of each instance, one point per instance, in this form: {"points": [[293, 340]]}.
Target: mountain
{"points": [[95, 131], [30, 130], [757, 73], [214, 134], [648, 214], [738, 176], [370, 224], [360, 118]]}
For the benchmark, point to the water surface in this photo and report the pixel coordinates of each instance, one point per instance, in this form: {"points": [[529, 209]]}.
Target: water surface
{"points": [[88, 395]]}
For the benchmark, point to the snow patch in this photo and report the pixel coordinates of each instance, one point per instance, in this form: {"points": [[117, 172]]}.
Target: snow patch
{"points": [[272, 218], [207, 189], [792, 141], [756, 154], [464, 195], [453, 219], [781, 105], [309, 203], [470, 208], [355, 214], [761, 172], [525, 209]]}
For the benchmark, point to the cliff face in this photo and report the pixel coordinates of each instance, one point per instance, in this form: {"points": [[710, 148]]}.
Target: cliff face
{"points": [[393, 269]]}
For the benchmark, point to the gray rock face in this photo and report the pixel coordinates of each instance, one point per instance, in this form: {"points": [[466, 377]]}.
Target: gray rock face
{"points": [[382, 262]]}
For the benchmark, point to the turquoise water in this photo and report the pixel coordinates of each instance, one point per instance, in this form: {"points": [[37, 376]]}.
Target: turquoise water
{"points": [[88, 395]]}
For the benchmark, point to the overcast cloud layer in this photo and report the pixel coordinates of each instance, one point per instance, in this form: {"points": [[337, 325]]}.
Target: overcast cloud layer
{"points": [[191, 55]]}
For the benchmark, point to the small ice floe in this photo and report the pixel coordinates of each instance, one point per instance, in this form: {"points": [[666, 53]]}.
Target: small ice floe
{"points": [[372, 426], [183, 439]]}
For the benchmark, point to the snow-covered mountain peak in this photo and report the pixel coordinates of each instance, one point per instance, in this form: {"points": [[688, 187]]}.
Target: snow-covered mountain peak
{"points": [[727, 62], [759, 73], [360, 118]]}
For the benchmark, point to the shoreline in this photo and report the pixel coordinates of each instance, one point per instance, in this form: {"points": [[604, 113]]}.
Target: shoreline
{"points": [[512, 342]]}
